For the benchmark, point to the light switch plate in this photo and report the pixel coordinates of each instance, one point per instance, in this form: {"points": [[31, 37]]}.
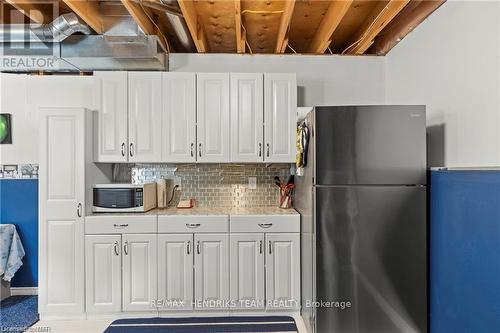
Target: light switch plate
{"points": [[252, 183]]}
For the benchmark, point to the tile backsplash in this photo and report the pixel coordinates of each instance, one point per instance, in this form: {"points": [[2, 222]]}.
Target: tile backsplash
{"points": [[221, 185]]}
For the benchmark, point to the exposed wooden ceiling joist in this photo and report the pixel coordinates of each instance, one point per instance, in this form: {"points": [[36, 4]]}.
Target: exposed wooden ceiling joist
{"points": [[323, 37], [88, 11], [240, 38], [34, 11], [286, 17], [194, 26], [410, 17], [380, 18]]}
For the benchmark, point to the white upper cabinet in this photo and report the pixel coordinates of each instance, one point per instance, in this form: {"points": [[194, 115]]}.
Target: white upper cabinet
{"points": [[175, 271], [280, 117], [111, 104], [283, 270], [211, 264], [140, 280], [179, 117], [213, 126], [247, 270], [103, 273], [144, 116], [247, 117], [61, 222]]}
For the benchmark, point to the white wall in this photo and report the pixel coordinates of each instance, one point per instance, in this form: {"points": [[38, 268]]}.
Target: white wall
{"points": [[22, 95], [451, 63], [322, 80]]}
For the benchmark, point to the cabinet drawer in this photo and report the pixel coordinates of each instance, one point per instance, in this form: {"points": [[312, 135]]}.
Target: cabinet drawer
{"points": [[126, 224], [193, 224], [265, 223]]}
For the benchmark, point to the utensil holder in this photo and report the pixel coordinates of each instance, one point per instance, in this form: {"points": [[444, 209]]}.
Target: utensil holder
{"points": [[285, 199]]}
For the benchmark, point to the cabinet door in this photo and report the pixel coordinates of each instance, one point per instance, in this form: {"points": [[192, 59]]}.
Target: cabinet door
{"points": [[179, 117], [280, 117], [103, 273], [144, 116], [247, 117], [175, 271], [139, 272], [62, 193], [213, 133], [283, 270], [111, 104], [247, 270], [211, 265]]}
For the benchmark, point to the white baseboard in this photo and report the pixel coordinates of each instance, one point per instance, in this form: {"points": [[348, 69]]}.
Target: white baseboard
{"points": [[14, 291]]}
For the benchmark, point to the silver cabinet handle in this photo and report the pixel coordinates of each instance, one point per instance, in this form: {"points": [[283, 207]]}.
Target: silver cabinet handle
{"points": [[270, 247], [260, 247], [188, 247], [199, 149], [192, 225], [267, 147], [198, 250], [116, 249], [192, 149], [120, 225], [125, 248], [265, 225], [260, 149], [79, 210], [123, 149], [131, 150]]}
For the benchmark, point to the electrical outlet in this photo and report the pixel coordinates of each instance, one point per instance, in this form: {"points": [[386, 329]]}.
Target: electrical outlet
{"points": [[252, 183], [178, 182]]}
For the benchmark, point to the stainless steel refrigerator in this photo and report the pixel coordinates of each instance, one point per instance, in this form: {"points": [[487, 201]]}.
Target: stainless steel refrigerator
{"points": [[362, 200]]}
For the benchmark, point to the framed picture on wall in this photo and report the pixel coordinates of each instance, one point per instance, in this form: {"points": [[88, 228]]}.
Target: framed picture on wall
{"points": [[5, 128]]}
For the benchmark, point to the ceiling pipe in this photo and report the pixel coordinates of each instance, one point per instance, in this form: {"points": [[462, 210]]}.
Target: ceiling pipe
{"points": [[56, 31]]}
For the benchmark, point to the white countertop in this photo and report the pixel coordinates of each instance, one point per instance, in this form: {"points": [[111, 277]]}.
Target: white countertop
{"points": [[210, 211]]}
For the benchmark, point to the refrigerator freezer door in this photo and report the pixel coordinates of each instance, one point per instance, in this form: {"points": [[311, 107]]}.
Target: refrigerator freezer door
{"points": [[370, 145], [371, 252]]}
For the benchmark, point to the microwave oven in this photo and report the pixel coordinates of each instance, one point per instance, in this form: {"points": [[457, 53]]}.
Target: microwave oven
{"points": [[123, 197]]}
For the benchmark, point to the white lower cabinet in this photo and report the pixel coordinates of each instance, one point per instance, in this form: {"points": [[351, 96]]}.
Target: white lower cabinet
{"points": [[211, 266], [121, 272], [175, 272], [103, 274], [283, 270], [140, 280], [247, 289]]}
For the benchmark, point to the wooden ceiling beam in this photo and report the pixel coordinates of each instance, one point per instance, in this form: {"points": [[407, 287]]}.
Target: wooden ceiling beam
{"points": [[334, 15], [88, 11], [240, 38], [410, 17], [286, 17], [382, 15], [33, 11], [194, 25]]}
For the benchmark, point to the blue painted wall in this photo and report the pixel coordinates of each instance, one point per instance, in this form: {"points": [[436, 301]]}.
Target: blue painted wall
{"points": [[19, 206], [465, 251]]}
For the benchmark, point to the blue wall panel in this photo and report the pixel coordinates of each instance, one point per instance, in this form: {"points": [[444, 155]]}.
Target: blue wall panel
{"points": [[465, 252], [19, 206]]}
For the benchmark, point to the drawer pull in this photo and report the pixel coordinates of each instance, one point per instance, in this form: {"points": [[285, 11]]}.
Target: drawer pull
{"points": [[116, 249], [265, 225], [192, 225], [120, 225]]}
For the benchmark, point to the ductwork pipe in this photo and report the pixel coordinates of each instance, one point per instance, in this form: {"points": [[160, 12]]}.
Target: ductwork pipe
{"points": [[180, 27], [56, 31]]}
